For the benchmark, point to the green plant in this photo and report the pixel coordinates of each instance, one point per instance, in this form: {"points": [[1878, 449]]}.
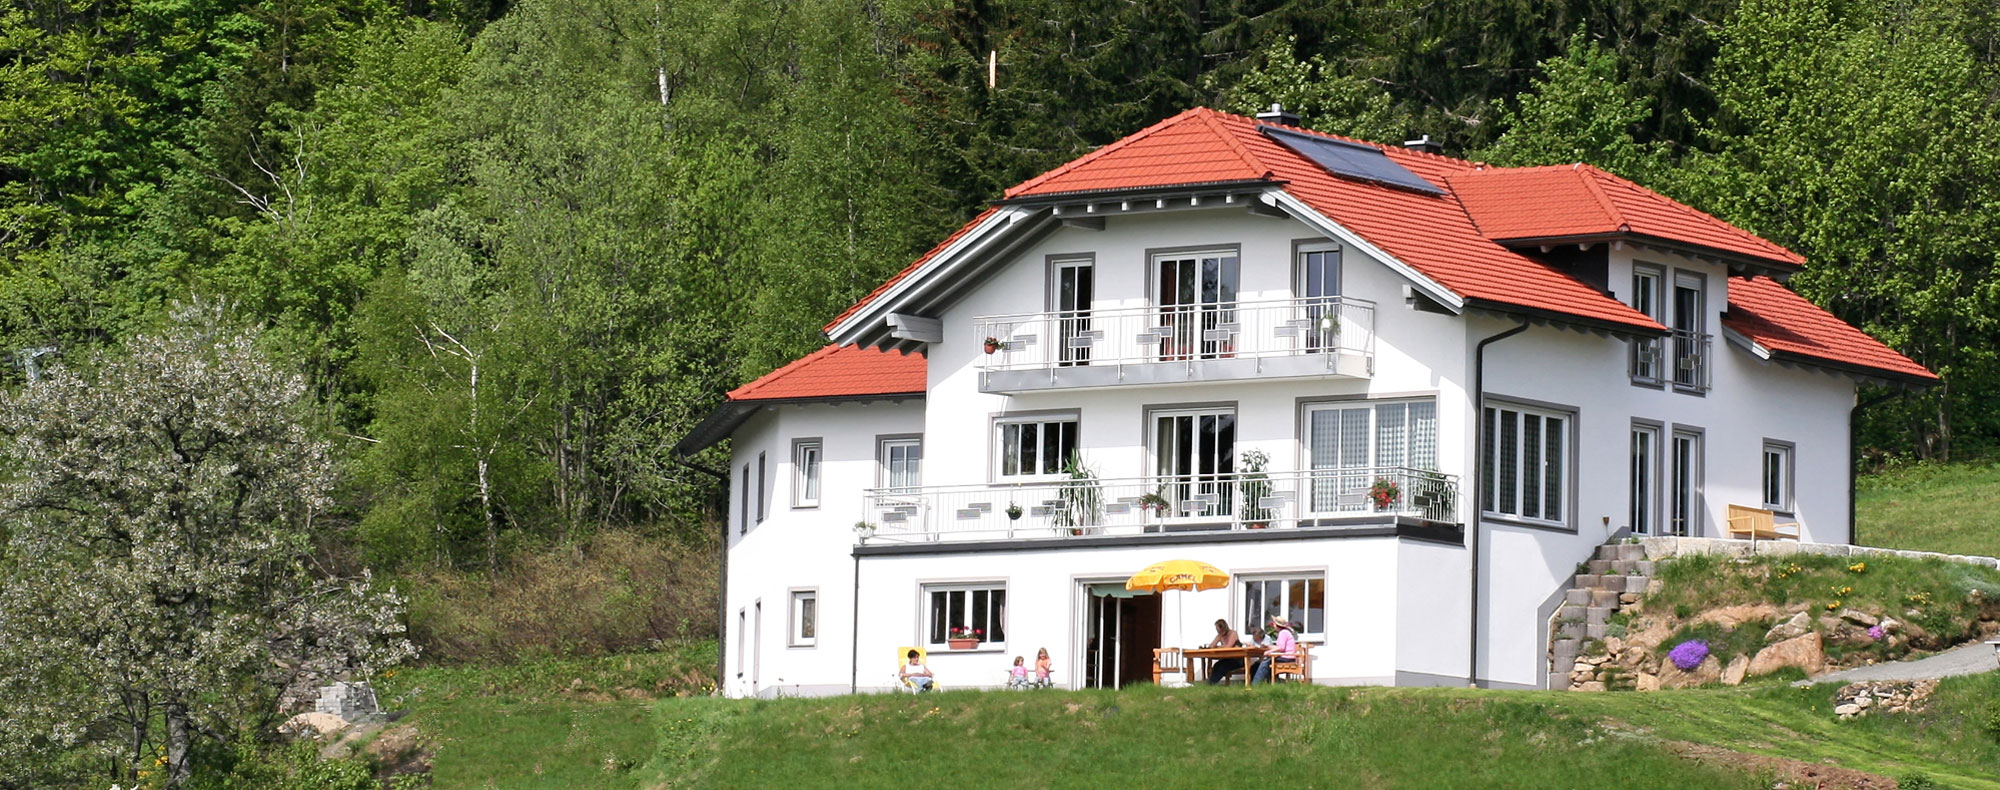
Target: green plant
{"points": [[1916, 780], [1081, 495], [1013, 511], [1254, 485], [1156, 501], [1384, 493]]}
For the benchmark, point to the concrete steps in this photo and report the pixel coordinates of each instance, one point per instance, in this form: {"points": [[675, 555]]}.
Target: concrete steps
{"points": [[1615, 576]]}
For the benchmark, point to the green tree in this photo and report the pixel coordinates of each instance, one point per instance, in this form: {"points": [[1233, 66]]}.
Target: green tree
{"points": [[1580, 110], [161, 505]]}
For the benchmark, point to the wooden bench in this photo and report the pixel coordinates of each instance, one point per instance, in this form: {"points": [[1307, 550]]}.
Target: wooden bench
{"points": [[1757, 523]]}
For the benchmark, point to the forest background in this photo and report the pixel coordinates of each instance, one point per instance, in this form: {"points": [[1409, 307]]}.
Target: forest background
{"points": [[518, 249]]}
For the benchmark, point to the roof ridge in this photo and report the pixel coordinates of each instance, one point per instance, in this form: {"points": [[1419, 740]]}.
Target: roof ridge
{"points": [[1101, 151], [1731, 226], [1214, 124], [1603, 200]]}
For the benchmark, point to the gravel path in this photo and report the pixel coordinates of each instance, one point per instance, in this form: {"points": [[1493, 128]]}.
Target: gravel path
{"points": [[1967, 660]]}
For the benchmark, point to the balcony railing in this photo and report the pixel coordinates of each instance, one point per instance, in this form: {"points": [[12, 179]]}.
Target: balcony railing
{"points": [[1691, 368], [1183, 503], [1225, 339]]}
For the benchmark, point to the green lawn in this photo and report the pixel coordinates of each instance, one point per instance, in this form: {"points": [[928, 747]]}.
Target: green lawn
{"points": [[566, 724], [1951, 508]]}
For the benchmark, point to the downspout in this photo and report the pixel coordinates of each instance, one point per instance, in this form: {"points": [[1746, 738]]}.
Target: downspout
{"points": [[1479, 491], [722, 595], [1853, 415], [854, 635]]}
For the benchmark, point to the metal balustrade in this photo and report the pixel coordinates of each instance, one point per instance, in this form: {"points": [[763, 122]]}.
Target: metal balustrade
{"points": [[1063, 508], [1691, 367], [1319, 331]]}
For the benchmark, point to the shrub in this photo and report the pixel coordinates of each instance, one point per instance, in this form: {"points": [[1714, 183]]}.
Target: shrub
{"points": [[1916, 780], [615, 592], [1689, 654]]}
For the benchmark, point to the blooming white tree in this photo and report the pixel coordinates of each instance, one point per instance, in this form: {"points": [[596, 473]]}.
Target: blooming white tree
{"points": [[158, 589]]}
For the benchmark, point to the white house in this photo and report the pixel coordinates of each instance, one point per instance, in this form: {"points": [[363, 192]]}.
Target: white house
{"points": [[1397, 396]]}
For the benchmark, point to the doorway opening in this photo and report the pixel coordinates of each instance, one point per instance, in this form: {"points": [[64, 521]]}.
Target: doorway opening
{"points": [[1120, 630]]}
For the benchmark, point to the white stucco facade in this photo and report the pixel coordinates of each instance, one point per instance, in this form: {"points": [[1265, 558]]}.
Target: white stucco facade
{"points": [[1394, 593]]}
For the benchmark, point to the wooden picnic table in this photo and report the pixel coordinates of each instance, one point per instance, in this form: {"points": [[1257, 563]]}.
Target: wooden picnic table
{"points": [[1211, 654]]}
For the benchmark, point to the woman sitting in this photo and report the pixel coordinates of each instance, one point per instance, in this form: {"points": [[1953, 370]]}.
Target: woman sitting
{"points": [[915, 674], [1224, 667], [1285, 647]]}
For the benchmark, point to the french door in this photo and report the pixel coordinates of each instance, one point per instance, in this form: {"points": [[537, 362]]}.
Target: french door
{"points": [[1690, 325], [1319, 295], [1074, 285], [1197, 303], [1684, 497], [1645, 459], [1194, 458]]}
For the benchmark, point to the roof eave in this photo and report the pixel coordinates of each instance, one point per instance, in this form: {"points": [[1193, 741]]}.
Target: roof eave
{"points": [[729, 415], [1558, 317], [1042, 199], [1866, 373], [847, 331], [1771, 267]]}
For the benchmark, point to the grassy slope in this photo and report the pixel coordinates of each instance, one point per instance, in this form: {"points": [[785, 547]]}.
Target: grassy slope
{"points": [[567, 724], [1932, 507]]}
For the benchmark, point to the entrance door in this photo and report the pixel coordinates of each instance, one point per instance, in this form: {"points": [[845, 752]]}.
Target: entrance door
{"points": [[1075, 285], [1119, 637], [1197, 297]]}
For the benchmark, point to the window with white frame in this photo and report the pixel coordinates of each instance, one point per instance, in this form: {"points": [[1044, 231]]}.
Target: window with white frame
{"points": [[1646, 299], [966, 611], [902, 460], [1527, 462], [1300, 598], [804, 618], [1194, 459], [1777, 476], [1349, 444], [1033, 446], [743, 503], [805, 472]]}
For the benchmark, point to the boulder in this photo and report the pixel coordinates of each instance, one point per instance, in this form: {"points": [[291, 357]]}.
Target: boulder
{"points": [[1732, 616], [1708, 672], [1733, 674], [1799, 625], [314, 725], [1859, 618], [1805, 652], [1647, 681], [1593, 685], [1846, 711]]}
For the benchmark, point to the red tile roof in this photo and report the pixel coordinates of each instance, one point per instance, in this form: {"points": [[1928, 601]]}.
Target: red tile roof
{"points": [[1452, 239], [839, 371], [1772, 316], [1580, 200]]}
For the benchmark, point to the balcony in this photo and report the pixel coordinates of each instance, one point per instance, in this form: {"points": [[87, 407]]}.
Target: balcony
{"points": [[1691, 369], [1221, 341], [1069, 509]]}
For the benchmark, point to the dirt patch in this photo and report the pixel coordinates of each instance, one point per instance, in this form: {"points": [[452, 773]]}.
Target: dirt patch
{"points": [[400, 751], [1793, 773]]}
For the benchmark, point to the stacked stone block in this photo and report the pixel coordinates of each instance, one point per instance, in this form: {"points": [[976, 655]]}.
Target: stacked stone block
{"points": [[1615, 577]]}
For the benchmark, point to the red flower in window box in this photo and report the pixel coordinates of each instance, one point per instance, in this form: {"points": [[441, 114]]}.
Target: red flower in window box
{"points": [[965, 638]]}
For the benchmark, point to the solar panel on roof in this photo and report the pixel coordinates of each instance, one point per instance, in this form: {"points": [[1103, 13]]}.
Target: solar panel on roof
{"points": [[1351, 160]]}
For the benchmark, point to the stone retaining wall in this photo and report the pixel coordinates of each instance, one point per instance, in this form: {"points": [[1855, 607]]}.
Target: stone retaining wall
{"points": [[1660, 548]]}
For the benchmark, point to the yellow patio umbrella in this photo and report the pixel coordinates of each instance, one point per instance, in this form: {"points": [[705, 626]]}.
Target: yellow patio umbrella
{"points": [[1182, 575]]}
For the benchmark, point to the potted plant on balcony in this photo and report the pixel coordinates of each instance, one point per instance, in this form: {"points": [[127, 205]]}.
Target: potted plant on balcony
{"points": [[1082, 497], [995, 344], [864, 530], [1384, 493], [1156, 501], [1013, 512], [965, 637], [1254, 486]]}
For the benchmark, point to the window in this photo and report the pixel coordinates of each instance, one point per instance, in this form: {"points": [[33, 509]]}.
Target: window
{"points": [[760, 488], [1072, 287], [1300, 599], [1368, 440], [1684, 494], [805, 618], [805, 473], [1318, 289], [742, 629], [902, 463], [743, 506], [1646, 299], [976, 609], [1197, 300], [1690, 333], [1194, 455], [1527, 463], [1645, 466], [1778, 476], [1034, 446]]}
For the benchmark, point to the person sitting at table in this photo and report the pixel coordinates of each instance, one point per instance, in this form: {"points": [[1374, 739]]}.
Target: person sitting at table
{"points": [[1223, 667], [1252, 635], [1286, 646]]}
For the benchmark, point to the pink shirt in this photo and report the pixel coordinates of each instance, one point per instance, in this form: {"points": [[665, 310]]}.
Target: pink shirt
{"points": [[1021, 671], [1288, 645]]}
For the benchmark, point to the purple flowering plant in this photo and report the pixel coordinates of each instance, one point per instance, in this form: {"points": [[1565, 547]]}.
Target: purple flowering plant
{"points": [[1875, 632], [1688, 655]]}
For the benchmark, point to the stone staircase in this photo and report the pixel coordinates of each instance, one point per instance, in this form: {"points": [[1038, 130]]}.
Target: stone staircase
{"points": [[1613, 578]]}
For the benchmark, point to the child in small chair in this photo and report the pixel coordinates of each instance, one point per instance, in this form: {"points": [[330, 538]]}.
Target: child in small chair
{"points": [[1042, 668], [1018, 677]]}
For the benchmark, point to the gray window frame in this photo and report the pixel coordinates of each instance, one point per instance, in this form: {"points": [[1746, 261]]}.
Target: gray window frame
{"points": [[1571, 446]]}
